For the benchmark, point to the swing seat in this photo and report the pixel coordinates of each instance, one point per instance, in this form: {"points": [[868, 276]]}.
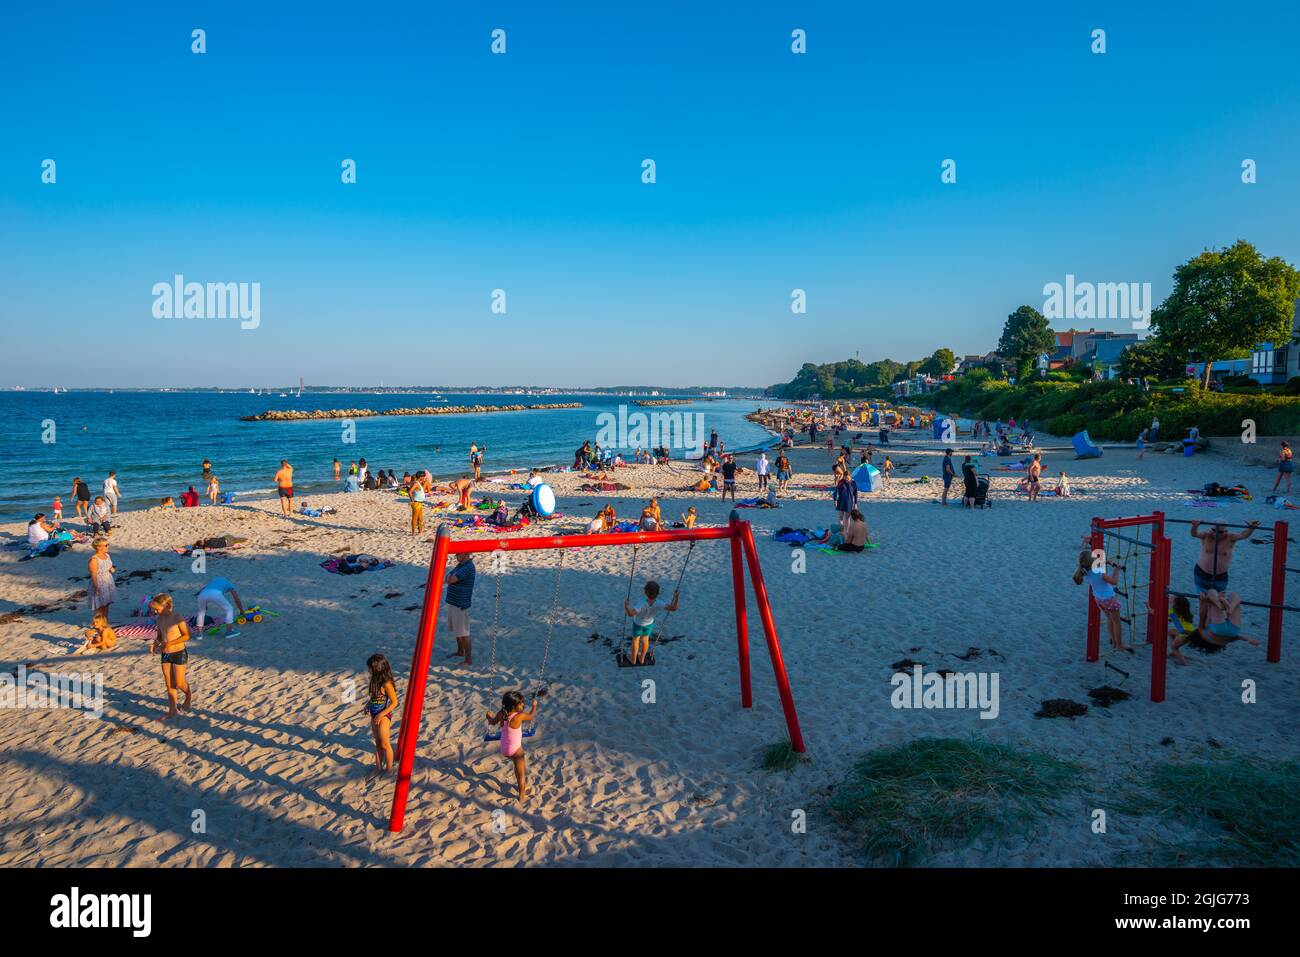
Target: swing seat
{"points": [[496, 735], [626, 662]]}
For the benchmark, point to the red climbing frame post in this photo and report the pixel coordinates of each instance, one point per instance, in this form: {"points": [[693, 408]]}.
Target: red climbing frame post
{"points": [[769, 632], [1277, 592], [742, 621], [411, 710], [1096, 540], [736, 532], [1158, 599]]}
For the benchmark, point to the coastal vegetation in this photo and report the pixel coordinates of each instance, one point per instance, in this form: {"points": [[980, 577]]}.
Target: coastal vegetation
{"points": [[1223, 303], [898, 805], [1064, 404]]}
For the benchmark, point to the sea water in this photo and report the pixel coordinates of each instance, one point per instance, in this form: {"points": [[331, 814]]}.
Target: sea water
{"points": [[157, 441]]}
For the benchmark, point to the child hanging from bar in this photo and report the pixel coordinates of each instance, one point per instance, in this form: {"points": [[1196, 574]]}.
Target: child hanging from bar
{"points": [[643, 619], [1103, 584]]}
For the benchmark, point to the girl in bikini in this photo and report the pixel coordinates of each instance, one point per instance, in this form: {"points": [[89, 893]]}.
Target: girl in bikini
{"points": [[173, 633], [511, 718], [380, 704]]}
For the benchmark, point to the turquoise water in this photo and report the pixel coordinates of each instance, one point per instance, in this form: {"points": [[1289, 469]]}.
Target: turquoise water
{"points": [[157, 441]]}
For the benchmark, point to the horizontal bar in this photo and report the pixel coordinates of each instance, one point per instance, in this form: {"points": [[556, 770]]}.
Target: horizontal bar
{"points": [[1205, 521], [573, 541], [1127, 522], [1252, 604]]}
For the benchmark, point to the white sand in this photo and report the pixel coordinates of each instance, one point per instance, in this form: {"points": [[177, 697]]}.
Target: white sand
{"points": [[276, 760]]}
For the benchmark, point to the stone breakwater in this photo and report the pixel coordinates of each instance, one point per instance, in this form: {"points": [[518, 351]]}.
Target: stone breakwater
{"points": [[294, 415], [650, 402]]}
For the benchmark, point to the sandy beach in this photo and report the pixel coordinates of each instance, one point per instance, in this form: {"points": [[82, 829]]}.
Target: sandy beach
{"points": [[273, 761]]}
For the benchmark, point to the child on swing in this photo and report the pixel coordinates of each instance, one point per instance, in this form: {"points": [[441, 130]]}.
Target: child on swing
{"points": [[381, 701], [511, 718], [643, 619]]}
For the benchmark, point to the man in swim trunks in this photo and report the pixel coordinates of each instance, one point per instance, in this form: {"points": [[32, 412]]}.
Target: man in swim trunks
{"points": [[1210, 573], [284, 483], [1035, 476]]}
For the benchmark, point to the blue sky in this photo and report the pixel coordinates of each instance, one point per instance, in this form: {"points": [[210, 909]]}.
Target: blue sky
{"points": [[522, 172]]}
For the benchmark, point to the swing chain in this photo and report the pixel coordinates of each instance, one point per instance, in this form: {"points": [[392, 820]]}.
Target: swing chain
{"points": [[631, 577], [550, 624], [654, 635], [498, 560]]}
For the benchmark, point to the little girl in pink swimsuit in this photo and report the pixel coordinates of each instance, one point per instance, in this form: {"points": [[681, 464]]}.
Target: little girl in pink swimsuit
{"points": [[511, 717]]}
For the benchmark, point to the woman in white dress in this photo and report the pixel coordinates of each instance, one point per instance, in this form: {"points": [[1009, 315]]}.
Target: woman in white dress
{"points": [[103, 590]]}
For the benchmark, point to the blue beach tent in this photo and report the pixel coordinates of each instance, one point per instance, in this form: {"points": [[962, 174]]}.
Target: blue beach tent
{"points": [[867, 477], [1083, 447]]}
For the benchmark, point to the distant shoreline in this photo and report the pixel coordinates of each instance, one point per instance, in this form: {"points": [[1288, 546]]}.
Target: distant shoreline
{"points": [[295, 415]]}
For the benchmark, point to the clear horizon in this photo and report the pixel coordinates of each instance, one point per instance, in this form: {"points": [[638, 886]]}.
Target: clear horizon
{"points": [[522, 172]]}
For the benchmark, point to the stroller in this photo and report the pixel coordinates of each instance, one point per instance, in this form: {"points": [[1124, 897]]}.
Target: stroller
{"points": [[982, 492]]}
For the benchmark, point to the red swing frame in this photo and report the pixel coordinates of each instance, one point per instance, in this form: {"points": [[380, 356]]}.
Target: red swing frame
{"points": [[739, 533]]}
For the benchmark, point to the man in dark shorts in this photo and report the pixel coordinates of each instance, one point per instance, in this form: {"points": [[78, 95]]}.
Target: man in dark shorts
{"points": [[729, 477], [949, 473], [284, 483], [1210, 573]]}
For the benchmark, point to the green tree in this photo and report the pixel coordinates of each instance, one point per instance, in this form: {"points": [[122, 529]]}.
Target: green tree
{"points": [[1224, 302], [1150, 359], [1025, 335], [941, 362]]}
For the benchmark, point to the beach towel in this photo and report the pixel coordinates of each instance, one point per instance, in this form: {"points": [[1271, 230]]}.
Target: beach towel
{"points": [[755, 503], [355, 564]]}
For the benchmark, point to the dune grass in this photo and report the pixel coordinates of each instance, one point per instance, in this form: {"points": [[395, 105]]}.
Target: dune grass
{"points": [[780, 756], [1252, 807], [900, 804]]}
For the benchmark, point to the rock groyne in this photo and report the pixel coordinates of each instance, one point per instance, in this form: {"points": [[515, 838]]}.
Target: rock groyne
{"points": [[295, 415]]}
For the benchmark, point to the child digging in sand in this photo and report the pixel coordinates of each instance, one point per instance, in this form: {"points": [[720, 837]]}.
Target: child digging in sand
{"points": [[173, 632], [511, 718], [380, 704], [100, 636]]}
